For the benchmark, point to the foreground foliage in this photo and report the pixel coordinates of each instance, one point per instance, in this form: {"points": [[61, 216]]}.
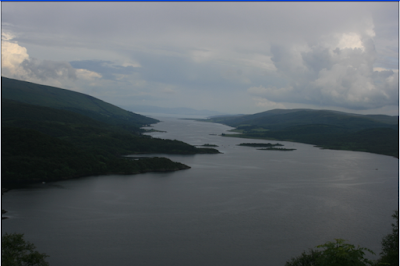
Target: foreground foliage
{"points": [[336, 253], [340, 253], [15, 251], [390, 245]]}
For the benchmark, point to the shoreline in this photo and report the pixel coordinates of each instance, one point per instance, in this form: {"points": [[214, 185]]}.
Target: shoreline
{"points": [[9, 186], [323, 147]]}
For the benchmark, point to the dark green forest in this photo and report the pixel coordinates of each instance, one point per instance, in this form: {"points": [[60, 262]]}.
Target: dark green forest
{"points": [[41, 143], [30, 156]]}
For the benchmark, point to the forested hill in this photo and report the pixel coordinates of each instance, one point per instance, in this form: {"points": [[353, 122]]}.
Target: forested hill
{"points": [[325, 128], [72, 101], [283, 118], [41, 143]]}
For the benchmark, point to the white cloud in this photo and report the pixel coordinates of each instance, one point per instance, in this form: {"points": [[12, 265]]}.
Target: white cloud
{"points": [[12, 55], [87, 74], [131, 64], [381, 69], [350, 40], [16, 63]]}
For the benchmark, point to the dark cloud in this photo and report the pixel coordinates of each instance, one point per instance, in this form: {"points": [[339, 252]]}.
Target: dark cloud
{"points": [[316, 59]]}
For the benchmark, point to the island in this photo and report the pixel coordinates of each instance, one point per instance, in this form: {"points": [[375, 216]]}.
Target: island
{"points": [[269, 145], [208, 145], [276, 149], [152, 130]]}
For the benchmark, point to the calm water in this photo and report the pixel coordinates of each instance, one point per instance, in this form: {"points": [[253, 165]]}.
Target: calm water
{"points": [[242, 207]]}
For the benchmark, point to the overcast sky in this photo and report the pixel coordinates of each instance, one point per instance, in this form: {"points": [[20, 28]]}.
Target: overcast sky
{"points": [[232, 57]]}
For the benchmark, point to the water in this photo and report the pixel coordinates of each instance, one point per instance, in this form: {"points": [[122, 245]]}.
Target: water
{"points": [[242, 207]]}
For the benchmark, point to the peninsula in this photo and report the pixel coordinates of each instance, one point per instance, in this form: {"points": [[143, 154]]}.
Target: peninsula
{"points": [[51, 134]]}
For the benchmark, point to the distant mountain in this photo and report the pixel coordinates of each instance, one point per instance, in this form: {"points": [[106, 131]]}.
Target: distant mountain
{"points": [[175, 111], [76, 102], [325, 128]]}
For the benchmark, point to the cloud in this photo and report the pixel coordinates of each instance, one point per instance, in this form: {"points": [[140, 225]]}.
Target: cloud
{"points": [[351, 40], [268, 105], [87, 74], [130, 64], [232, 55], [47, 70], [341, 74], [16, 63], [169, 90], [107, 69], [12, 55]]}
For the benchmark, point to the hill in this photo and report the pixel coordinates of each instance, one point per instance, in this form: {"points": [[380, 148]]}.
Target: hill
{"points": [[72, 101], [279, 119], [325, 128], [46, 144]]}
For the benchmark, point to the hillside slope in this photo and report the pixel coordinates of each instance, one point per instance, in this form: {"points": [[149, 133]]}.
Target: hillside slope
{"points": [[46, 144], [76, 102], [278, 119], [327, 129]]}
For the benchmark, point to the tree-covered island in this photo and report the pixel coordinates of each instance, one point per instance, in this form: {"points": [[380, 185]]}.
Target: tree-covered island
{"points": [[266, 146], [276, 149], [208, 145]]}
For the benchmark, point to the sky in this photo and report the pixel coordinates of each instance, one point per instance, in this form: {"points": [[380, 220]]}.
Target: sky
{"points": [[230, 57]]}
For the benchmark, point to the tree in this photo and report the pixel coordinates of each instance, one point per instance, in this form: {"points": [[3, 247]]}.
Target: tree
{"points": [[15, 251], [336, 253], [390, 245], [343, 254], [305, 259]]}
